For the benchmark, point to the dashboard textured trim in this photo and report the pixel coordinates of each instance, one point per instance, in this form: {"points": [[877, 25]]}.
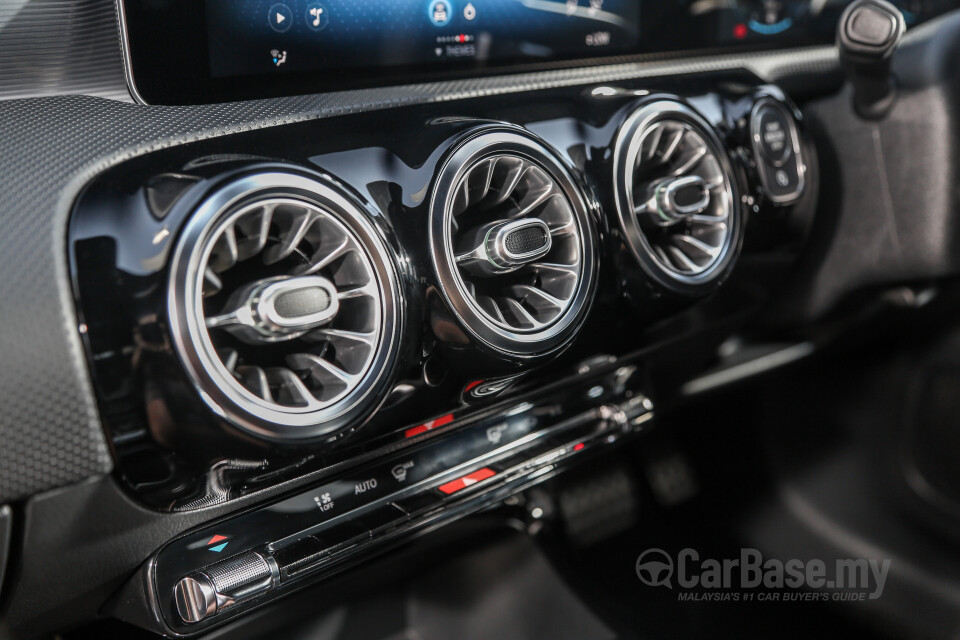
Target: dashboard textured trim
{"points": [[55, 47], [53, 146]]}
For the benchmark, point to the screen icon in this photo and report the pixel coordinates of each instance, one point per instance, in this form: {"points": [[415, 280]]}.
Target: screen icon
{"points": [[317, 16], [440, 12], [280, 17], [279, 57], [469, 11]]}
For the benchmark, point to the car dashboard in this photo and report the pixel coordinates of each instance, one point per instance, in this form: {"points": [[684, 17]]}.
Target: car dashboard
{"points": [[302, 282]]}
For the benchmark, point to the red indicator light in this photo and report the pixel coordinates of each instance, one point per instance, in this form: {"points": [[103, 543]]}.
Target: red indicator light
{"points": [[470, 479], [579, 446], [216, 539], [740, 31], [428, 426]]}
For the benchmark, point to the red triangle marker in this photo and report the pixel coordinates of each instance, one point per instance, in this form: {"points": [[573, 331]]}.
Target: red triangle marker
{"points": [[216, 539]]}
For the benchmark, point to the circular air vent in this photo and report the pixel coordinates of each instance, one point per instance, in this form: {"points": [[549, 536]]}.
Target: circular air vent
{"points": [[284, 306], [512, 243], [676, 197]]}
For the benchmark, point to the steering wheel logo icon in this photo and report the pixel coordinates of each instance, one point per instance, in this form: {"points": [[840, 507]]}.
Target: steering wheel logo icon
{"points": [[655, 568]]}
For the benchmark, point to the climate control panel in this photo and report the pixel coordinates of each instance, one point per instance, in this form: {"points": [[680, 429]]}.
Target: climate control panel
{"points": [[209, 575], [376, 326]]}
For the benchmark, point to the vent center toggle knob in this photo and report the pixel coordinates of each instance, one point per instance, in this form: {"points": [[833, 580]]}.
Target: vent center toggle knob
{"points": [[278, 309], [675, 199], [505, 246]]}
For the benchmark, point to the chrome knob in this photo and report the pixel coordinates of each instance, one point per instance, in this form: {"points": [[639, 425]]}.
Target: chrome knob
{"points": [[506, 245], [196, 598], [675, 199], [222, 585], [278, 309]]}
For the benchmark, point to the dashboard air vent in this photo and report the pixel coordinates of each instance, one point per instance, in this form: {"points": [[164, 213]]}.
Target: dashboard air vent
{"points": [[512, 243], [676, 197], [283, 306]]}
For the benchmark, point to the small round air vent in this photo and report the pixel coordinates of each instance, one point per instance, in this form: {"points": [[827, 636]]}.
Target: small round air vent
{"points": [[676, 197], [512, 243], [284, 306]]}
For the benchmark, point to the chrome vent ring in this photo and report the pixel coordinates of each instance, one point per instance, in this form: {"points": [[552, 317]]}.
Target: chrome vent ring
{"points": [[676, 196], [284, 306], [512, 243]]}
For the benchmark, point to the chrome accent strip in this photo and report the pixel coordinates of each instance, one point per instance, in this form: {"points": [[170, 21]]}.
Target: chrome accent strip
{"points": [[125, 53], [736, 373]]}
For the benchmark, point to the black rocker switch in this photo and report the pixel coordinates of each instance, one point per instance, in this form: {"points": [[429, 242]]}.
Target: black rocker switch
{"points": [[868, 34]]}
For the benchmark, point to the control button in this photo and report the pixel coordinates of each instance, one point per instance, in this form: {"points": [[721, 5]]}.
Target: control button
{"points": [[223, 585], [495, 433], [382, 518], [773, 135], [344, 495], [196, 598], [513, 462], [871, 25], [401, 470], [324, 501], [366, 485], [280, 17], [466, 481], [783, 178], [782, 184], [420, 503], [342, 536], [777, 151], [299, 556], [440, 12], [429, 426], [469, 11], [317, 16]]}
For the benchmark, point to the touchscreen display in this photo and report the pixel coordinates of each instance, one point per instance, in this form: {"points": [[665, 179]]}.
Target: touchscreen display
{"points": [[253, 37]]}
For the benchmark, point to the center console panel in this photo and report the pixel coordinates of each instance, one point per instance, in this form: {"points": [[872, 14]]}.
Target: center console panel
{"points": [[404, 317]]}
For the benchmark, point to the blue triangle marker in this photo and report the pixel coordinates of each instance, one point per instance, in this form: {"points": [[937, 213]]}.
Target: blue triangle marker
{"points": [[219, 547]]}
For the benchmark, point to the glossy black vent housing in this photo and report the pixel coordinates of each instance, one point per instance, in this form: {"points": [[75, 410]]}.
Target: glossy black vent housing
{"points": [[173, 452]]}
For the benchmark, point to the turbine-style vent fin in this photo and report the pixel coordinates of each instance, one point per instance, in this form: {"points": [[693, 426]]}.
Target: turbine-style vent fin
{"points": [[321, 289], [675, 194], [288, 305], [510, 220], [515, 246]]}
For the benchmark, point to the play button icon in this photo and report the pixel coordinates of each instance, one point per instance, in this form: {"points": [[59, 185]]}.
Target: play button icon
{"points": [[280, 17]]}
